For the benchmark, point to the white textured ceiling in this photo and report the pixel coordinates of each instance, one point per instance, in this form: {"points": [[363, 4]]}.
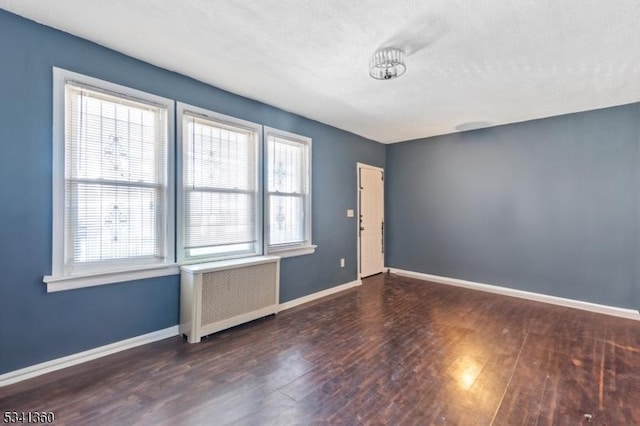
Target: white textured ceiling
{"points": [[470, 63]]}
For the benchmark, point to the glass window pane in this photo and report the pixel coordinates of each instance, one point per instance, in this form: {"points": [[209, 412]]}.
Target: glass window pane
{"points": [[107, 140], [217, 157], [113, 222], [286, 166], [219, 218], [286, 219]]}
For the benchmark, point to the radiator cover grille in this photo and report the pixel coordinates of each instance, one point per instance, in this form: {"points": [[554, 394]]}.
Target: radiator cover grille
{"points": [[219, 295], [233, 292]]}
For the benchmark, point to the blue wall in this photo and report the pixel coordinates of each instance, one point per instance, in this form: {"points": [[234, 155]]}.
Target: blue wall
{"points": [[36, 326], [549, 206]]}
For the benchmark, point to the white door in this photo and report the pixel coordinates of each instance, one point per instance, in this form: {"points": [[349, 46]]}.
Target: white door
{"points": [[371, 214]]}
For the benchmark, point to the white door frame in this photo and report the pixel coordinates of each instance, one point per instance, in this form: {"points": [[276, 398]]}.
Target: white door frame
{"points": [[380, 169]]}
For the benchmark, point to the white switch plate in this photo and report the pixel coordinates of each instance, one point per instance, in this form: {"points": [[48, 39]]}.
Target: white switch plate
{"points": [[342, 262], [350, 213]]}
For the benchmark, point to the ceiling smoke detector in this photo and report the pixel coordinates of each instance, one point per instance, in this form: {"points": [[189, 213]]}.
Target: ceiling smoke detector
{"points": [[387, 64]]}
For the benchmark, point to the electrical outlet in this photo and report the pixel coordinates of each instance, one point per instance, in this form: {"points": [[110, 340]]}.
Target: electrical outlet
{"points": [[342, 262]]}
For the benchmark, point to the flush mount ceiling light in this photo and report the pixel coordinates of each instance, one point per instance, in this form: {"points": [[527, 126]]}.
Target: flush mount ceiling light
{"points": [[387, 64]]}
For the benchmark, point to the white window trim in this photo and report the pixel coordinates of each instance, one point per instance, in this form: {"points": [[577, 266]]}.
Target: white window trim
{"points": [[306, 247], [181, 108], [297, 250], [58, 280], [109, 277]]}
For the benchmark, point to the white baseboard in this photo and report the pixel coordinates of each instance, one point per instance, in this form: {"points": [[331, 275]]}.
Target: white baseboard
{"points": [[80, 357], [538, 297], [310, 297]]}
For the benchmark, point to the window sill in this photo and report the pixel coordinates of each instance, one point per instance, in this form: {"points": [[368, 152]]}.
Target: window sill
{"points": [[292, 251], [89, 280], [72, 282], [219, 265]]}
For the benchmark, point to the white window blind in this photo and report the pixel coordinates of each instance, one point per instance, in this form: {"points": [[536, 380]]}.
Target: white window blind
{"points": [[115, 179], [288, 189], [220, 188]]}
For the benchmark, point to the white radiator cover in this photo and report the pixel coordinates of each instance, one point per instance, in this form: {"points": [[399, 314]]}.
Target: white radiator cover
{"points": [[218, 295]]}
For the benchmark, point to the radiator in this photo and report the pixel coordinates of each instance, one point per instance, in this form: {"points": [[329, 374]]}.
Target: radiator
{"points": [[218, 295]]}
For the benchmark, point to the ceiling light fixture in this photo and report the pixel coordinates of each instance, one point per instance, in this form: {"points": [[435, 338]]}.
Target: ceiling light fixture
{"points": [[387, 64]]}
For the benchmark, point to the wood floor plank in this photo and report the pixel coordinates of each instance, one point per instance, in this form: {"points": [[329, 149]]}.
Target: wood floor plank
{"points": [[621, 382], [394, 351]]}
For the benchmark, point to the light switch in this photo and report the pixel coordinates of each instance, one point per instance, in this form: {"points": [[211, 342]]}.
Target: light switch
{"points": [[350, 213]]}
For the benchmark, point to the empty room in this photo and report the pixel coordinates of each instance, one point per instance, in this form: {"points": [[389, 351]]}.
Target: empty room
{"points": [[287, 212]]}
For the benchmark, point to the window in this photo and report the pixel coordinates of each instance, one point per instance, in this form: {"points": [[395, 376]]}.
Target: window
{"points": [[288, 204], [112, 185], [220, 196]]}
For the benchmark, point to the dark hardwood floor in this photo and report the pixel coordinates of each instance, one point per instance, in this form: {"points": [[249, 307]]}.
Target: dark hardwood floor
{"points": [[394, 351]]}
